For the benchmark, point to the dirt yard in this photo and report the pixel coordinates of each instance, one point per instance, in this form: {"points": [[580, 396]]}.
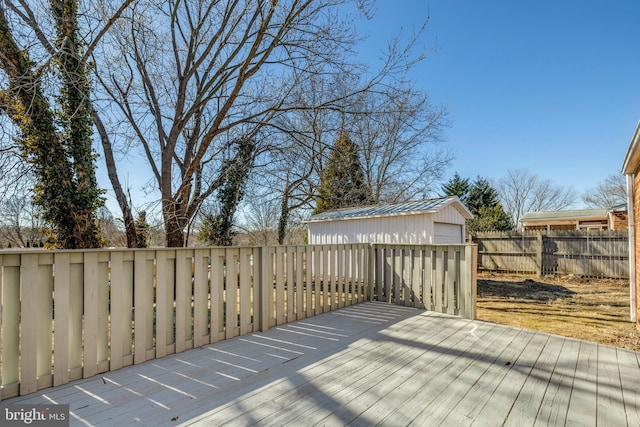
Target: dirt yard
{"points": [[590, 309]]}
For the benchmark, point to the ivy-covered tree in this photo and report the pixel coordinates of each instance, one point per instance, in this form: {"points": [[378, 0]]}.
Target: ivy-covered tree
{"points": [[342, 183], [217, 229], [457, 186], [142, 230], [56, 139]]}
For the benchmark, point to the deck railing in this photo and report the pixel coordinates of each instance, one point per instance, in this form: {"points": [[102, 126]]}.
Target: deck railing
{"points": [[66, 315]]}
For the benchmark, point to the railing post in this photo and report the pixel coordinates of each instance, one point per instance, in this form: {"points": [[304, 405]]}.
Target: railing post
{"points": [[468, 288]]}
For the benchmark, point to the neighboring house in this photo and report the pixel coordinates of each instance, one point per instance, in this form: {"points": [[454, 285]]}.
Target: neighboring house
{"points": [[431, 221], [582, 219], [631, 168]]}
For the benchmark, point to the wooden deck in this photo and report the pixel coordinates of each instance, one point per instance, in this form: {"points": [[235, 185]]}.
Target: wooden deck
{"points": [[369, 364]]}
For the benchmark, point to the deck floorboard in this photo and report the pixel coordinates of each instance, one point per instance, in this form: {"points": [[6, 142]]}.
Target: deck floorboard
{"points": [[368, 364]]}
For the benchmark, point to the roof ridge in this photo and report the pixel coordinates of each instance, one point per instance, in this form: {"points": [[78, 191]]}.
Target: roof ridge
{"points": [[403, 208]]}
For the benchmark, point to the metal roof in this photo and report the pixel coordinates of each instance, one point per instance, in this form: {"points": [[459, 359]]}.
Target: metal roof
{"points": [[406, 208], [565, 215]]}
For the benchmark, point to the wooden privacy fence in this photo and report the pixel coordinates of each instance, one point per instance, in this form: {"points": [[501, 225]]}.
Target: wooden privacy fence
{"points": [[66, 315], [583, 253]]}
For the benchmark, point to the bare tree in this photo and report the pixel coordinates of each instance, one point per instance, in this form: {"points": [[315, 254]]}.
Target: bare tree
{"points": [[398, 133], [21, 221], [521, 191], [612, 191], [189, 78], [397, 130], [111, 231], [303, 140], [261, 222]]}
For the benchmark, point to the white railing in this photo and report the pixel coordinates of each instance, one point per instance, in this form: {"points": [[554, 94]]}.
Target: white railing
{"points": [[439, 278], [66, 315]]}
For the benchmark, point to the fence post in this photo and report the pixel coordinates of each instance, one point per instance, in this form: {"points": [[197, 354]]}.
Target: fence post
{"points": [[539, 254]]}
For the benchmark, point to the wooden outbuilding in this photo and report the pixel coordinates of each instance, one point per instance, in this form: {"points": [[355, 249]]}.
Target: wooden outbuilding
{"points": [[430, 221]]}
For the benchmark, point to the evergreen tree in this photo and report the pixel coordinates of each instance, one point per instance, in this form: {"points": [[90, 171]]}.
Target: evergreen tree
{"points": [[490, 218], [343, 183], [481, 194], [457, 186], [483, 202]]}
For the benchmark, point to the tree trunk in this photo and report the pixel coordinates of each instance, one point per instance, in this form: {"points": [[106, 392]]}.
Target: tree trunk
{"points": [[284, 217], [174, 224], [127, 215], [174, 235]]}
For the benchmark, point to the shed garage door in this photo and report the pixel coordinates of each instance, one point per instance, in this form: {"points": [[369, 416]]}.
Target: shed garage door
{"points": [[447, 233]]}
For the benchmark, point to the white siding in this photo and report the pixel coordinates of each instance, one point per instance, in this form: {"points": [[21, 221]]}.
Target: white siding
{"points": [[449, 215], [416, 228]]}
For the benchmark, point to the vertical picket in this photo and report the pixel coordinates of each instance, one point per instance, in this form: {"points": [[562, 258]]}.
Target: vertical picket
{"points": [[143, 302], [90, 365], [396, 265], [183, 299], [406, 275], [103, 312], [10, 287], [61, 319], [367, 285], [426, 278], [452, 279], [327, 279], [416, 268], [200, 298], [265, 289], [246, 323], [165, 274], [217, 294], [338, 274], [317, 280], [354, 273], [280, 291], [300, 309], [117, 311], [29, 293], [438, 284], [290, 282], [231, 307], [309, 280]]}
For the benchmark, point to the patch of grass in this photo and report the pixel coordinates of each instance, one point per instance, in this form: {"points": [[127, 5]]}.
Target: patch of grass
{"points": [[589, 309]]}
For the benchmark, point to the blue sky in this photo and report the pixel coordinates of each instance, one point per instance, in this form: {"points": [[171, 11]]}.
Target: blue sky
{"points": [[550, 86]]}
